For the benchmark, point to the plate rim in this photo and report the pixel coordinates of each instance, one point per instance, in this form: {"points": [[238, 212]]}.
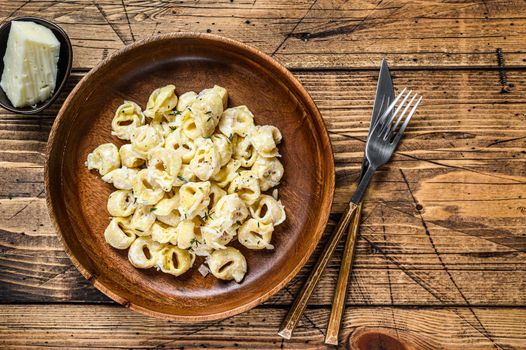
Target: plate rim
{"points": [[327, 200]]}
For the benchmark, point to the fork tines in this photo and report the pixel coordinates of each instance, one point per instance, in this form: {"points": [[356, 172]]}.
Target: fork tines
{"points": [[387, 129]]}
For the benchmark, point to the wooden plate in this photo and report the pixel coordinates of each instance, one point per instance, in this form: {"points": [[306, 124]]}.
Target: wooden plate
{"points": [[77, 198]]}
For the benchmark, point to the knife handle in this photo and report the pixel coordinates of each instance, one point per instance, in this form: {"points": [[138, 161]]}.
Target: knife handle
{"points": [[297, 309], [338, 303]]}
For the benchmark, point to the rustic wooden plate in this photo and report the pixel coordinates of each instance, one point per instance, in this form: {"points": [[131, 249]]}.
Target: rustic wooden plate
{"points": [[76, 197]]}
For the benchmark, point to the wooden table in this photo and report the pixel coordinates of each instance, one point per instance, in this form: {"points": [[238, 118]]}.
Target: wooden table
{"points": [[441, 261]]}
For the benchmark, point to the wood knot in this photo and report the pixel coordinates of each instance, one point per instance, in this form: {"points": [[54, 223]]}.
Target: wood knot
{"points": [[365, 338]]}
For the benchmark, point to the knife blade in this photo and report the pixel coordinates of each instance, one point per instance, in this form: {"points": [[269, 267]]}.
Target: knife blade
{"points": [[384, 92], [384, 96]]}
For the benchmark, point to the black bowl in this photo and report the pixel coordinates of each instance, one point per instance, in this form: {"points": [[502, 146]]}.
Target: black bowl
{"points": [[64, 63]]}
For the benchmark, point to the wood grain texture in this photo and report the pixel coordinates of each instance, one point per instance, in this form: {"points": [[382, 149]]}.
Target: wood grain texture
{"points": [[304, 33], [105, 327], [442, 225], [462, 158]]}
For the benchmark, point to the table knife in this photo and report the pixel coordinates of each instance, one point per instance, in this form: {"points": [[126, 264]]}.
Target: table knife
{"points": [[384, 96]]}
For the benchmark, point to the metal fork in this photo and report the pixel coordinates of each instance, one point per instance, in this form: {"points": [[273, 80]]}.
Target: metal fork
{"points": [[384, 96], [381, 143], [384, 138]]}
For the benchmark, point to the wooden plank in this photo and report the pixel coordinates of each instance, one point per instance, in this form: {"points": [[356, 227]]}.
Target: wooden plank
{"points": [[301, 33], [33, 267], [442, 224], [104, 327]]}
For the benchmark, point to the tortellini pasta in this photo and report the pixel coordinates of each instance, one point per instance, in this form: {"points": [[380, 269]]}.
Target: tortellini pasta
{"points": [[227, 264], [229, 212], [193, 198], [104, 158], [144, 252], [118, 234], [237, 120], [246, 185], [254, 234], [244, 151], [146, 189], [130, 158], [216, 193], [265, 139], [189, 125], [227, 173], [189, 237], [127, 117], [142, 220], [179, 142], [268, 210], [144, 139], [224, 148], [269, 172], [174, 260], [162, 100], [186, 100], [206, 161], [163, 233], [166, 211], [207, 109], [192, 180], [121, 203], [185, 175], [121, 178], [215, 238], [163, 167]]}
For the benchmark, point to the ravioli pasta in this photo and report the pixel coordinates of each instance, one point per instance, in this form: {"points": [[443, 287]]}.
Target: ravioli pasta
{"points": [[193, 179]]}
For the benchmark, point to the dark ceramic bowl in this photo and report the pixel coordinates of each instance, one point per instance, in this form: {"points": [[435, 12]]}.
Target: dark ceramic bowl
{"points": [[64, 63]]}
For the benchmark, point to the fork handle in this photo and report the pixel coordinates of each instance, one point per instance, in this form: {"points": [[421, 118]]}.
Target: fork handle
{"points": [[297, 309], [338, 303]]}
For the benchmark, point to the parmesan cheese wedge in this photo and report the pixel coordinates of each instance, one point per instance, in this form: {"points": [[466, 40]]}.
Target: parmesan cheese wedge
{"points": [[30, 64]]}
